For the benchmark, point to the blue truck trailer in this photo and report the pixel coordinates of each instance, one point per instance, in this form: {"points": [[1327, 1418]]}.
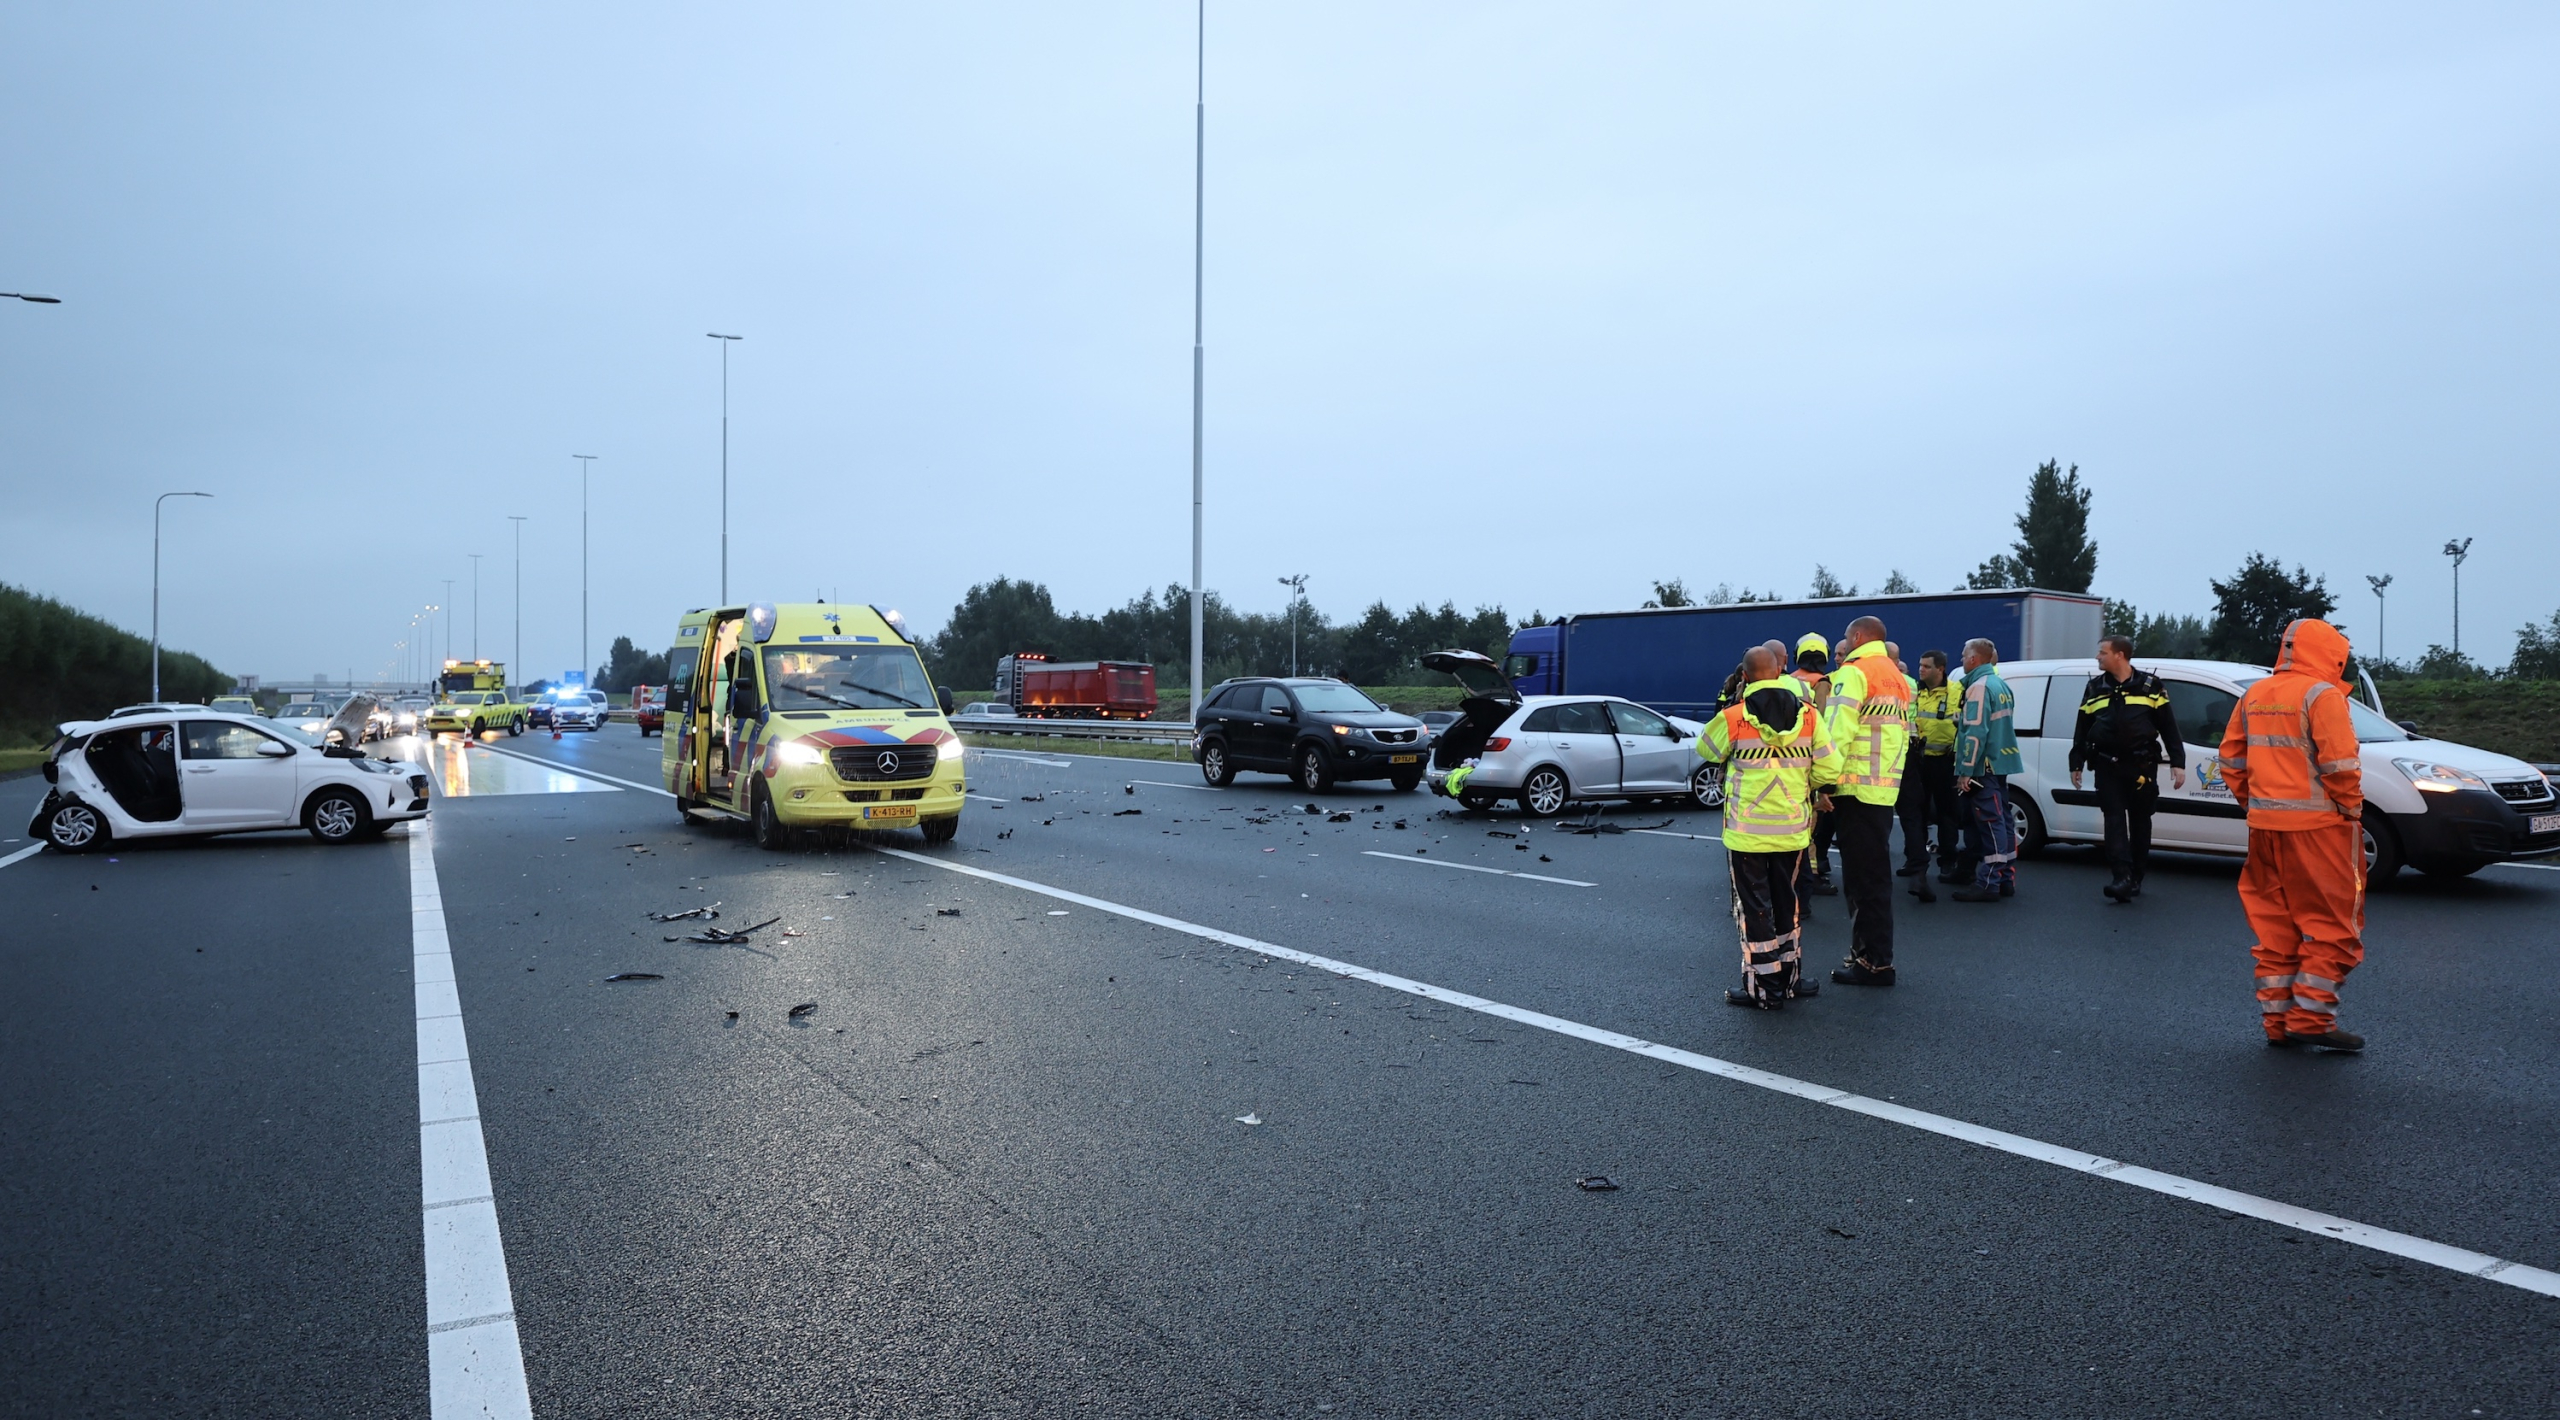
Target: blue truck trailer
{"points": [[1675, 659]]}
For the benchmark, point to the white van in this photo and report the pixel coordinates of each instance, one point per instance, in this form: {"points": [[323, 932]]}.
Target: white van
{"points": [[2445, 809]]}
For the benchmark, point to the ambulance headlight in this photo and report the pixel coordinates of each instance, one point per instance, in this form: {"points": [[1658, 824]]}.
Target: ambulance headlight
{"points": [[2438, 778], [951, 748], [798, 755]]}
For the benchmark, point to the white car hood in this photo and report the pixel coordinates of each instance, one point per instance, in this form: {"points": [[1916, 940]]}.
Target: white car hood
{"points": [[2488, 765]]}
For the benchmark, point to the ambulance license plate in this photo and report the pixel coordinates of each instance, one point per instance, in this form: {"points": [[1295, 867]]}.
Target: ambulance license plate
{"points": [[893, 811], [2544, 823], [1405, 759]]}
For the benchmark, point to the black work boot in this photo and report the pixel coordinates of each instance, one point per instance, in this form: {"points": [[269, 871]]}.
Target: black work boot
{"points": [[2120, 890], [1909, 869], [2133, 889], [1850, 973], [1822, 886], [1757, 1003], [2330, 1039], [1920, 889]]}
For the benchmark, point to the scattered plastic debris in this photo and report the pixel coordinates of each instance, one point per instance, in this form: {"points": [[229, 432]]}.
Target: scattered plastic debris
{"points": [[1337, 818], [1501, 833], [1835, 1232], [720, 936], [946, 912], [1597, 1183], [731, 1015], [1032, 799], [1399, 823], [705, 913], [803, 1009], [1543, 858], [1315, 808], [1128, 788], [1248, 1119], [635, 976], [1124, 813], [1008, 833], [570, 839], [1057, 912], [1377, 808]]}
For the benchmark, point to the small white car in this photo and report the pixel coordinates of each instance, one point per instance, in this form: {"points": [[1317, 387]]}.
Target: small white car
{"points": [[1547, 751], [579, 710], [2445, 809], [154, 776], [988, 707]]}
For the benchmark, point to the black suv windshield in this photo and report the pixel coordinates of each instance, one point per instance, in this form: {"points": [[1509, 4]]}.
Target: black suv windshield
{"points": [[1333, 700], [846, 678]]}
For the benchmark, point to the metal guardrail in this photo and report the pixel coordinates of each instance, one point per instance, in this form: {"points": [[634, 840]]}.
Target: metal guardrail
{"points": [[1149, 731]]}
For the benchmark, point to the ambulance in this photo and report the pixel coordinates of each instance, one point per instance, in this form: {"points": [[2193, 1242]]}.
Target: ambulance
{"points": [[472, 699], [808, 715]]}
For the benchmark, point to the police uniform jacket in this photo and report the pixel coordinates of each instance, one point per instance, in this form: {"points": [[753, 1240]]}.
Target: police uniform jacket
{"points": [[2124, 724]]}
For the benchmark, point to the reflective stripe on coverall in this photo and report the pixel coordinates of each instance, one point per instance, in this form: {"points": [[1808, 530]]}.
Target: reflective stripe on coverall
{"points": [[1769, 780], [2290, 754]]}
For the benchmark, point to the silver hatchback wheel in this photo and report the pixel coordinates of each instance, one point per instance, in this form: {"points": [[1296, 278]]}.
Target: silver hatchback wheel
{"points": [[337, 818], [1706, 787], [1544, 792], [73, 827]]}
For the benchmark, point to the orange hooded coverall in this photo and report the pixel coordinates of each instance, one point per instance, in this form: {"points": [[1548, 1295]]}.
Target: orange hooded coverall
{"points": [[2290, 756]]}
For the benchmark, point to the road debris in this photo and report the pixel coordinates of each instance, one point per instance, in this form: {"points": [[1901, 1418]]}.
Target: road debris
{"points": [[946, 912], [635, 976], [1128, 788], [1543, 858], [1008, 833], [1597, 1183], [721, 936], [1337, 818], [1248, 1119], [1500, 833], [1032, 799], [1315, 808], [801, 1010], [1124, 813], [705, 913], [731, 1015], [1399, 823], [1835, 1232]]}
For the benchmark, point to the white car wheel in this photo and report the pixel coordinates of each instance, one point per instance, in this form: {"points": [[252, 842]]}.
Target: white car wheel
{"points": [[74, 828], [1706, 787], [337, 817], [1544, 793]]}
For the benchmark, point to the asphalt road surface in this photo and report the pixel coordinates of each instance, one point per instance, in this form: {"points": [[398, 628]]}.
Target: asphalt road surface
{"points": [[1078, 1125]]}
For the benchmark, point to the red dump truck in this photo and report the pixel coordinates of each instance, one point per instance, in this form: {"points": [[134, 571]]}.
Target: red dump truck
{"points": [[1036, 686]]}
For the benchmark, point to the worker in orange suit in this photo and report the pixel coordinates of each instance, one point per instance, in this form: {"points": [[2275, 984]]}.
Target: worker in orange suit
{"points": [[2290, 756]]}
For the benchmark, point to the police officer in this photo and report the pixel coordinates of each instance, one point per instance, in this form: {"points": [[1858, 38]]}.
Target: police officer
{"points": [[1812, 676], [2124, 720], [1929, 777]]}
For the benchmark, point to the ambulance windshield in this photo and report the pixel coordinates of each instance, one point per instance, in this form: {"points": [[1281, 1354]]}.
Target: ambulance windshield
{"points": [[846, 678]]}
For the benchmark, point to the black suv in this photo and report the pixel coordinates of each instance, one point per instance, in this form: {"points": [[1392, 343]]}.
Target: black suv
{"points": [[1313, 730]]}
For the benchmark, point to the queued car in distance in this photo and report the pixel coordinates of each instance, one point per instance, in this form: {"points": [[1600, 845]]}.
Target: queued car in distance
{"points": [[2446, 809], [809, 715], [235, 705], [986, 707], [474, 713], [649, 709], [1547, 751], [406, 715], [155, 775], [1314, 729]]}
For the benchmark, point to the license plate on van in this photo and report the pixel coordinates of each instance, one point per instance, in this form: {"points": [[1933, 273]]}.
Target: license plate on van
{"points": [[893, 811], [1405, 759], [2544, 823]]}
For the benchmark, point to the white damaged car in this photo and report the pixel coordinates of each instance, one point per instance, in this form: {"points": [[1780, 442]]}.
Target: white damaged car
{"points": [[1547, 751], [152, 775]]}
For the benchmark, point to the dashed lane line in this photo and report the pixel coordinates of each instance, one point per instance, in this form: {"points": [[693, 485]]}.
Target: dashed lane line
{"points": [[475, 1362], [1170, 784], [1030, 758], [2537, 867], [21, 855], [1472, 868], [2324, 1225]]}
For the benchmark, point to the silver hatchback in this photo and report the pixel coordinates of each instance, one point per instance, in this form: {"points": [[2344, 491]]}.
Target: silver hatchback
{"points": [[1548, 751]]}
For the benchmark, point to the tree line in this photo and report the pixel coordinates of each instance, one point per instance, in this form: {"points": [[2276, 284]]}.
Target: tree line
{"points": [[60, 664]]}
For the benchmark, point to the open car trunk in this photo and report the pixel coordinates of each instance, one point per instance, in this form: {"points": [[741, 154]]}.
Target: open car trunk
{"points": [[1490, 700]]}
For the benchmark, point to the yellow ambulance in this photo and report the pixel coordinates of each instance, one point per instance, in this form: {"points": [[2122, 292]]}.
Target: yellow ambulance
{"points": [[472, 699], [808, 716]]}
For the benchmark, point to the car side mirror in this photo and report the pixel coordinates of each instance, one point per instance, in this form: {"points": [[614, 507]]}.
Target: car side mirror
{"points": [[942, 693], [1672, 732], [271, 750]]}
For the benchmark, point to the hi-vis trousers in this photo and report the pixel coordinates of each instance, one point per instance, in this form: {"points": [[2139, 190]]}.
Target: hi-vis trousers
{"points": [[1764, 911], [2304, 893]]}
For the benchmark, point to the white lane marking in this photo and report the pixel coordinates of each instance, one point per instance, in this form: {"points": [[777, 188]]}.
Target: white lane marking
{"points": [[1472, 868], [475, 1363], [1169, 784], [2415, 1249], [1667, 833], [2537, 867], [1029, 758], [575, 773], [21, 855]]}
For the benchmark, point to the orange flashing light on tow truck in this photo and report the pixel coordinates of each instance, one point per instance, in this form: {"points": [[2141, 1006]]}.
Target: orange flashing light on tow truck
{"points": [[807, 715]]}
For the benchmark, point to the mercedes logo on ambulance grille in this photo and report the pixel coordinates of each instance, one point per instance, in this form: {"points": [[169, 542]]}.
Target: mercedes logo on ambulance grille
{"points": [[888, 761]]}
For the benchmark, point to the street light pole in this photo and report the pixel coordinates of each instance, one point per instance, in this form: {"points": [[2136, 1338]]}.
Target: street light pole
{"points": [[1297, 593], [1199, 229], [2459, 552], [724, 458], [475, 606], [517, 656], [155, 561], [586, 463], [2381, 615], [31, 298], [448, 619]]}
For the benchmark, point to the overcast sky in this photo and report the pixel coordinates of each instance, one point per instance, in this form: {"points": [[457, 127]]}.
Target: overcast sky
{"points": [[1524, 304]]}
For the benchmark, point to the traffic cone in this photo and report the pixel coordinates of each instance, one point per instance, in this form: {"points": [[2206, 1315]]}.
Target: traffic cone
{"points": [[555, 732]]}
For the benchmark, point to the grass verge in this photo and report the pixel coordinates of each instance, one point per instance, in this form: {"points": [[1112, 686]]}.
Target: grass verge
{"points": [[18, 761]]}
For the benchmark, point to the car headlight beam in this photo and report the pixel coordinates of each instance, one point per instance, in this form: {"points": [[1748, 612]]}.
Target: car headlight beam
{"points": [[2437, 778], [951, 748], [798, 755]]}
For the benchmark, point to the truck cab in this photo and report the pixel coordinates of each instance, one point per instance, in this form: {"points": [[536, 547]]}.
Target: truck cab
{"points": [[808, 715]]}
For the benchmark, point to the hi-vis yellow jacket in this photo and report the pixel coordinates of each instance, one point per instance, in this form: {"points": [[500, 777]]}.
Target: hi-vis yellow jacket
{"points": [[1771, 773], [1933, 717], [1868, 716]]}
